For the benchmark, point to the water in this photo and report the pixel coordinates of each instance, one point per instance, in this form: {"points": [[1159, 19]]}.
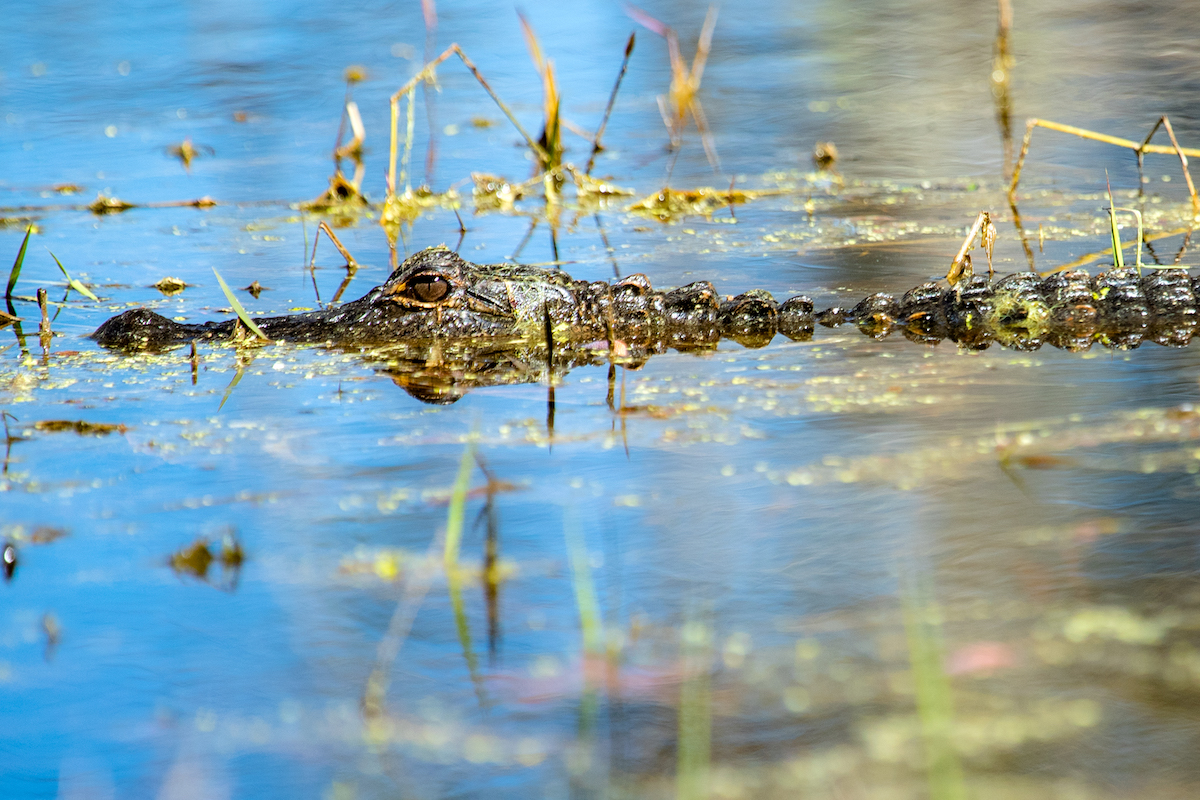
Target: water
{"points": [[757, 526]]}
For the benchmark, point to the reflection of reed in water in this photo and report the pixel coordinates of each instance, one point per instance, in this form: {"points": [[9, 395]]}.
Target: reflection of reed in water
{"points": [[1002, 63], [491, 555], [694, 748], [935, 703]]}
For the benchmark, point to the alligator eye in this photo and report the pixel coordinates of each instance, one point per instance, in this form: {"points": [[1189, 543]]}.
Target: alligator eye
{"points": [[428, 288]]}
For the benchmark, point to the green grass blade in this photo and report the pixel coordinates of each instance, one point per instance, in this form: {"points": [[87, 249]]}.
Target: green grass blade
{"points": [[16, 267], [1141, 233], [74, 284], [1118, 256], [237, 308]]}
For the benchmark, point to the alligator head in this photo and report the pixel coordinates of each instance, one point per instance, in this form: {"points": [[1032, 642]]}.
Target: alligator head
{"points": [[435, 294]]}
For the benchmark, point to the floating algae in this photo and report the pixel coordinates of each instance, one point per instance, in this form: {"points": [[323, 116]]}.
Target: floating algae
{"points": [[667, 205]]}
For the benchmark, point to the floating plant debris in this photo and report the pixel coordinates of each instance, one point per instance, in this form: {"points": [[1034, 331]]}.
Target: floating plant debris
{"points": [[494, 192], [197, 558], [104, 204], [342, 197], [597, 188], [255, 289], [409, 204], [81, 427], [825, 155], [170, 285], [187, 152], [667, 205]]}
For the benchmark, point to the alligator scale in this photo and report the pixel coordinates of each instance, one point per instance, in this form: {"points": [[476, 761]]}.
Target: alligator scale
{"points": [[437, 296]]}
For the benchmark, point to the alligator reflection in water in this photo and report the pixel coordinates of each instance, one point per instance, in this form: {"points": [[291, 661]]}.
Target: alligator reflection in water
{"points": [[442, 374], [453, 325]]}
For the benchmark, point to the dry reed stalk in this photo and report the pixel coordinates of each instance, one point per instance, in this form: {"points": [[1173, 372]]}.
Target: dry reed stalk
{"points": [[1083, 133], [985, 229], [324, 227], [1166, 123], [612, 98], [427, 73]]}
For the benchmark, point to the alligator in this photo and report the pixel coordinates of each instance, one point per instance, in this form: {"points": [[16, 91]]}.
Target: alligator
{"points": [[436, 296]]}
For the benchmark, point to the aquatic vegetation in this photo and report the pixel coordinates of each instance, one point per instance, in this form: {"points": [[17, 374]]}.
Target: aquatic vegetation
{"points": [[16, 222], [196, 558], [342, 198], [411, 203], [73, 283], [668, 205], [825, 155], [493, 193], [53, 631], [594, 191], [1117, 248], [352, 116], [187, 152], [960, 268], [551, 139], [170, 285], [351, 265], [81, 427], [104, 204], [1001, 79], [242, 316], [612, 99], [15, 273], [428, 73]]}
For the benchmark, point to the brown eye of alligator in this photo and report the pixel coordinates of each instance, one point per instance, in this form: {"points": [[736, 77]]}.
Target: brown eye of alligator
{"points": [[428, 288]]}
